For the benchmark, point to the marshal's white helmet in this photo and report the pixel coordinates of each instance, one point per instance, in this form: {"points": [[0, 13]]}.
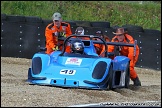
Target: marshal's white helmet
{"points": [[79, 31]]}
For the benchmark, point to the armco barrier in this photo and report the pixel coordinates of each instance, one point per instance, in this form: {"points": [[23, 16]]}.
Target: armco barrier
{"points": [[22, 36]]}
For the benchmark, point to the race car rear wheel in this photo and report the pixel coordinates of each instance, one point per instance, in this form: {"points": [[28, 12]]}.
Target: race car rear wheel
{"points": [[127, 76]]}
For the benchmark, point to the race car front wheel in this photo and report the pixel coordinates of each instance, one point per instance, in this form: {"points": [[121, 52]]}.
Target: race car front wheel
{"points": [[127, 76], [110, 78]]}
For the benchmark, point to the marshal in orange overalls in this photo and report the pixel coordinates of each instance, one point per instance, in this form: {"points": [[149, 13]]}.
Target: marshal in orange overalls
{"points": [[127, 51], [52, 32]]}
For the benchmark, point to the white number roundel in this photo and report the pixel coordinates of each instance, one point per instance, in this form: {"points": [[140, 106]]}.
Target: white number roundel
{"points": [[67, 72]]}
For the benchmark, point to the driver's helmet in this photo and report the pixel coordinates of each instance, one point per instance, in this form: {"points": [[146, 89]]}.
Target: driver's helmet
{"points": [[79, 31], [77, 46]]}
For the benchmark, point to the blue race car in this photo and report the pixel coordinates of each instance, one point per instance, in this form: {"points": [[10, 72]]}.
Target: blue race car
{"points": [[87, 70]]}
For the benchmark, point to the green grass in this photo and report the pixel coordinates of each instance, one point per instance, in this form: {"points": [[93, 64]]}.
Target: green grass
{"points": [[147, 14]]}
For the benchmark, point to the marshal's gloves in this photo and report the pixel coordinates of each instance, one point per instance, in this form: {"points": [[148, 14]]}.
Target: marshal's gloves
{"points": [[55, 48], [62, 34]]}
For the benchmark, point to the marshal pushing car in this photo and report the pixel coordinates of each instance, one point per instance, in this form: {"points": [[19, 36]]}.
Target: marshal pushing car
{"points": [[82, 67]]}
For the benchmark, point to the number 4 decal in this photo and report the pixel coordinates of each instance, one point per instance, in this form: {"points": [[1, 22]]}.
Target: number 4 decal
{"points": [[67, 72]]}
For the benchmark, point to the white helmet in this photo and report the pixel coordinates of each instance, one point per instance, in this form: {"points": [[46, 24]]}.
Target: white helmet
{"points": [[79, 31]]}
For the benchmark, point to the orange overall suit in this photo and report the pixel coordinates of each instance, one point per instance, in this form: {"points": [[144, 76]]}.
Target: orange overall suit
{"points": [[100, 48], [127, 51], [52, 34]]}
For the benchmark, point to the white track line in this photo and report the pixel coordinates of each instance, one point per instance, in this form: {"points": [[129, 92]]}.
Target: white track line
{"points": [[117, 104]]}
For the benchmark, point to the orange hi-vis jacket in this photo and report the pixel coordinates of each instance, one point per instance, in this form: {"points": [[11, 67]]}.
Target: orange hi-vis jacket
{"points": [[100, 48], [127, 51], [51, 34]]}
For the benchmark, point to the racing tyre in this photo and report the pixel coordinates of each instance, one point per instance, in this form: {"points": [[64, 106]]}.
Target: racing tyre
{"points": [[83, 23], [110, 78], [72, 23], [15, 18], [33, 19], [46, 22], [127, 76], [3, 16], [133, 28], [103, 24]]}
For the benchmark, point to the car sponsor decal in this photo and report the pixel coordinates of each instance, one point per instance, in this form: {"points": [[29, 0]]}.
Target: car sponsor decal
{"points": [[67, 72], [73, 61]]}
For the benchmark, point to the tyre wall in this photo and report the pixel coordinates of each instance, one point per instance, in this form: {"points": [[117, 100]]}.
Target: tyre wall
{"points": [[22, 36]]}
